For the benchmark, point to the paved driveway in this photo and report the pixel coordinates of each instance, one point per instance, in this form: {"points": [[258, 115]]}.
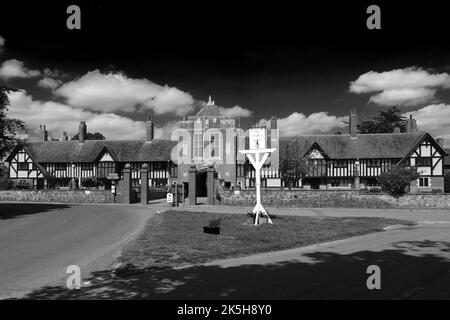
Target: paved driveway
{"points": [[39, 241]]}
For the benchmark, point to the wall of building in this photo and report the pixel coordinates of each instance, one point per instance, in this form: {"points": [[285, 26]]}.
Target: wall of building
{"points": [[328, 198], [72, 196], [435, 183]]}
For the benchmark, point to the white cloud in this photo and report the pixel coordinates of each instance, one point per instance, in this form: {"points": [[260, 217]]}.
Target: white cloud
{"points": [[15, 69], [55, 73], [49, 83], [165, 132], [410, 86], [236, 111], [435, 120], [60, 117], [320, 122], [116, 92], [2, 43], [407, 97]]}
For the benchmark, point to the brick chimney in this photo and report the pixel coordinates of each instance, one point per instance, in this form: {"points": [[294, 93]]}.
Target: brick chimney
{"points": [[353, 123], [82, 129], [149, 130], [440, 141], [411, 126], [44, 133], [274, 122], [65, 137]]}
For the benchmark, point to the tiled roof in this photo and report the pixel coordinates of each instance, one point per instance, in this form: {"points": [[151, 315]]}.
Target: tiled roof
{"points": [[209, 111], [123, 150], [387, 145]]}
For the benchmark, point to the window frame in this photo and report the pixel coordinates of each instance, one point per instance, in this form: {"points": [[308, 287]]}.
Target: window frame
{"points": [[60, 167], [197, 141], [25, 164], [427, 179], [340, 164], [418, 159]]}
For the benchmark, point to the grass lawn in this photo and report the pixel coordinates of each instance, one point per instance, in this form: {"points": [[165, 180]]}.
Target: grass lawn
{"points": [[175, 238]]}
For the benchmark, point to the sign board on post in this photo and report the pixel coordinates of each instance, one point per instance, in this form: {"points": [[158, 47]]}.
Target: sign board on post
{"points": [[257, 138], [170, 197]]}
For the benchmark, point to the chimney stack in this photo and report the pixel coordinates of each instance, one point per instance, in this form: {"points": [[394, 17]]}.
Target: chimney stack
{"points": [[411, 126], [274, 122], [82, 129], [65, 137], [440, 141], [353, 123], [149, 130], [44, 134]]}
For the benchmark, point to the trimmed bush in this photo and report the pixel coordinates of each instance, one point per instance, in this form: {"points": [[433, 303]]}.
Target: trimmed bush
{"points": [[396, 180]]}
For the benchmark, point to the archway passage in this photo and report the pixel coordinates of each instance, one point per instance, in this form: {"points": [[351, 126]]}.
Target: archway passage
{"points": [[201, 187]]}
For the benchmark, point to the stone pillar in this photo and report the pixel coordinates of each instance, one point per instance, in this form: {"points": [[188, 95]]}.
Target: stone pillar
{"points": [[126, 176], [192, 185], [210, 185], [356, 169], [144, 184]]}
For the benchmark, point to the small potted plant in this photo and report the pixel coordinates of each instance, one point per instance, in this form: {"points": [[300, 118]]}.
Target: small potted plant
{"points": [[213, 226]]}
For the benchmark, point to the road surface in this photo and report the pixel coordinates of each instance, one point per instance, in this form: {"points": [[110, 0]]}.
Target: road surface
{"points": [[414, 264], [39, 241]]}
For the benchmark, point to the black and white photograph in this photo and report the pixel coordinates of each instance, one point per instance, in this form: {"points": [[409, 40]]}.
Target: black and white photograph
{"points": [[224, 152]]}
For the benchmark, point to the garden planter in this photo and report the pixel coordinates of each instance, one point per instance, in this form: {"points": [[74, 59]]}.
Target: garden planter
{"points": [[211, 230]]}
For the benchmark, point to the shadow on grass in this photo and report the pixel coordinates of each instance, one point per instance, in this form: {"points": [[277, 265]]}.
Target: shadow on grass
{"points": [[323, 275], [13, 210]]}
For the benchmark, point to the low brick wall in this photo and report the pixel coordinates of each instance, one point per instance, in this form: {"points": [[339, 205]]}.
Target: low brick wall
{"points": [[337, 199], [78, 196]]}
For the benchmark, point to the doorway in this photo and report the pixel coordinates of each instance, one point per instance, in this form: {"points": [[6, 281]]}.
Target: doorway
{"points": [[315, 184], [200, 181]]}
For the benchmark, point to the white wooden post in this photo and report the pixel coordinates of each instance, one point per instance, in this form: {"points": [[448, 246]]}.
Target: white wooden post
{"points": [[257, 164]]}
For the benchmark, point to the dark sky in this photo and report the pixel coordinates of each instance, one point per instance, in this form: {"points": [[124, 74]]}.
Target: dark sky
{"points": [[272, 58]]}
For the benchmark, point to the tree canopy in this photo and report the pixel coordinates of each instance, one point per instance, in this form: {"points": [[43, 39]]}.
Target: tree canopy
{"points": [[91, 136], [397, 179], [8, 126], [293, 166], [385, 122]]}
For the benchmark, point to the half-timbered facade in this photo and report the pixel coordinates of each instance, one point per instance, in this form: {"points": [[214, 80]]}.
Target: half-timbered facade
{"points": [[57, 163], [337, 160]]}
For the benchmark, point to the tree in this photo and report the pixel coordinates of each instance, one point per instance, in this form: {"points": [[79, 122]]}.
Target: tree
{"points": [[385, 122], [91, 136], [397, 179], [293, 166], [8, 126]]}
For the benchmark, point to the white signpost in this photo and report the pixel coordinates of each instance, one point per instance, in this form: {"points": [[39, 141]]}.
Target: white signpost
{"points": [[257, 147], [169, 198]]}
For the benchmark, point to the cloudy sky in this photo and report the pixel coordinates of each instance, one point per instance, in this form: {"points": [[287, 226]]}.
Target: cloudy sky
{"points": [[308, 65]]}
